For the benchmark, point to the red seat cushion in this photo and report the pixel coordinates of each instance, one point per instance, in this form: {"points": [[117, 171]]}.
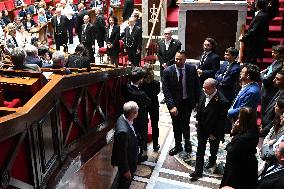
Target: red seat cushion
{"points": [[9, 5], [102, 50], [2, 6], [13, 104]]}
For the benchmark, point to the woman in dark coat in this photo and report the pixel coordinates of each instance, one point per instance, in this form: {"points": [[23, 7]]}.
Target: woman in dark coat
{"points": [[241, 169], [112, 40], [152, 88]]}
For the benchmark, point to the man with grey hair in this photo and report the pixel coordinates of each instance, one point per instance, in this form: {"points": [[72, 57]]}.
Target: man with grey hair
{"points": [[59, 23], [211, 116], [58, 59], [32, 55], [125, 146], [18, 56]]}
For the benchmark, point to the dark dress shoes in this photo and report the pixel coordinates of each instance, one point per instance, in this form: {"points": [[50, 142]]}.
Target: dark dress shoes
{"points": [[209, 164], [142, 158], [156, 148], [195, 176], [188, 148], [175, 151]]}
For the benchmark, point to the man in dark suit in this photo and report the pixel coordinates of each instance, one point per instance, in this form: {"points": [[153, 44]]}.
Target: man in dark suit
{"points": [[88, 37], [80, 19], [210, 62], [228, 74], [211, 117], [133, 42], [255, 38], [128, 9], [134, 93], [249, 95], [167, 50], [59, 23], [268, 90], [269, 113], [273, 176], [100, 27], [125, 146], [181, 90]]}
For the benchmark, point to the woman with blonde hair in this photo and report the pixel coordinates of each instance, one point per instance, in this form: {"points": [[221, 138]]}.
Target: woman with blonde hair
{"points": [[152, 88]]}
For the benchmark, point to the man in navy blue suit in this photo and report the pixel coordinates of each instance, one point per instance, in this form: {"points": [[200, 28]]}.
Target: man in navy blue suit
{"points": [[181, 90], [125, 146], [228, 75], [249, 95]]}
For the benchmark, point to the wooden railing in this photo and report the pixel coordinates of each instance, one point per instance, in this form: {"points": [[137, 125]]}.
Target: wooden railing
{"points": [[70, 115]]}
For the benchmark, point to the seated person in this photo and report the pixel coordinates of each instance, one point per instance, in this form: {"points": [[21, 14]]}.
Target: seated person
{"points": [[11, 41], [23, 37], [24, 12], [79, 59], [18, 57], [32, 55], [29, 23], [58, 59], [2, 23], [45, 56], [5, 17]]}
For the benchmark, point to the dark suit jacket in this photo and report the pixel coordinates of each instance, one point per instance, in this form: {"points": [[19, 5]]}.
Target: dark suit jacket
{"points": [[100, 26], [212, 118], [88, 38], [268, 89], [62, 27], [257, 35], [168, 56], [113, 39], [77, 61], [33, 23], [80, 22], [210, 66], [170, 86], [125, 147], [272, 181], [249, 97], [128, 9], [134, 39], [228, 80]]}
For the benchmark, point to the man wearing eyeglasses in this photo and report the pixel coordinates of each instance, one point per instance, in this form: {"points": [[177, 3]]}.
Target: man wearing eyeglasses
{"points": [[167, 50]]}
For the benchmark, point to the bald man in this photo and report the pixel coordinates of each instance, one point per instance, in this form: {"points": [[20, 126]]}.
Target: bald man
{"points": [[59, 23], [88, 37], [211, 116]]}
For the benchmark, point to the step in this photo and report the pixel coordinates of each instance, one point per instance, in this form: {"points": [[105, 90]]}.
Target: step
{"points": [[277, 21], [271, 28]]}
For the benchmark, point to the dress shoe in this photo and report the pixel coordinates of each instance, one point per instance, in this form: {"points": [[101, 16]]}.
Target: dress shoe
{"points": [[188, 148], [175, 151], [209, 164], [142, 159], [163, 101], [156, 148], [195, 176]]}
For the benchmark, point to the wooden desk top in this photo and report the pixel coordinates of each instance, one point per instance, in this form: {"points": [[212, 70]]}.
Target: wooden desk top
{"points": [[18, 80]]}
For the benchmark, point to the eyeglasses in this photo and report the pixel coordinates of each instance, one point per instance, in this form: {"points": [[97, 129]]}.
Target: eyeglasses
{"points": [[167, 33]]}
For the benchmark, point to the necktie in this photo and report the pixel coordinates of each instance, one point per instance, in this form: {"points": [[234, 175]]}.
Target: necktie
{"points": [[15, 41], [180, 82], [204, 56]]}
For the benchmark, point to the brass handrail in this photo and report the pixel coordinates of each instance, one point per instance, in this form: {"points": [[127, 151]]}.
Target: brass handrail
{"points": [[154, 24]]}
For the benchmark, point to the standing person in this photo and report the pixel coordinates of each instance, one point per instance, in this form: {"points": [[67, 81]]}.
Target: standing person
{"points": [[241, 164], [257, 34], [59, 23], [210, 61], [249, 95], [228, 74], [152, 88], [268, 90], [136, 94], [133, 42], [68, 11], [181, 90], [80, 20], [100, 27], [112, 40], [88, 37], [272, 177], [125, 146], [128, 9], [211, 117], [166, 52]]}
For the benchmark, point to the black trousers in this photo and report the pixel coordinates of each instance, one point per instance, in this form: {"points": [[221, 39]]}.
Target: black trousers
{"points": [[154, 116], [90, 51], [60, 40], [133, 57], [123, 183], [141, 127], [70, 30], [202, 141], [181, 122]]}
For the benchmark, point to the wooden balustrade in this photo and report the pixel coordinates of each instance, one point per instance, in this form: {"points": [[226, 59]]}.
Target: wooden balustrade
{"points": [[70, 115]]}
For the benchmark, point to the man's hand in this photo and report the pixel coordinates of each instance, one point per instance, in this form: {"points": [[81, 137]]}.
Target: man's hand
{"points": [[199, 72], [138, 51], [174, 111], [127, 175], [164, 65]]}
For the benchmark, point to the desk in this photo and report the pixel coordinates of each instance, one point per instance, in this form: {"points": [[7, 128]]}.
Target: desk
{"points": [[41, 31]]}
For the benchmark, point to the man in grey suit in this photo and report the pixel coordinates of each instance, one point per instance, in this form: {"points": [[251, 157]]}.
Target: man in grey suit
{"points": [[125, 146]]}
